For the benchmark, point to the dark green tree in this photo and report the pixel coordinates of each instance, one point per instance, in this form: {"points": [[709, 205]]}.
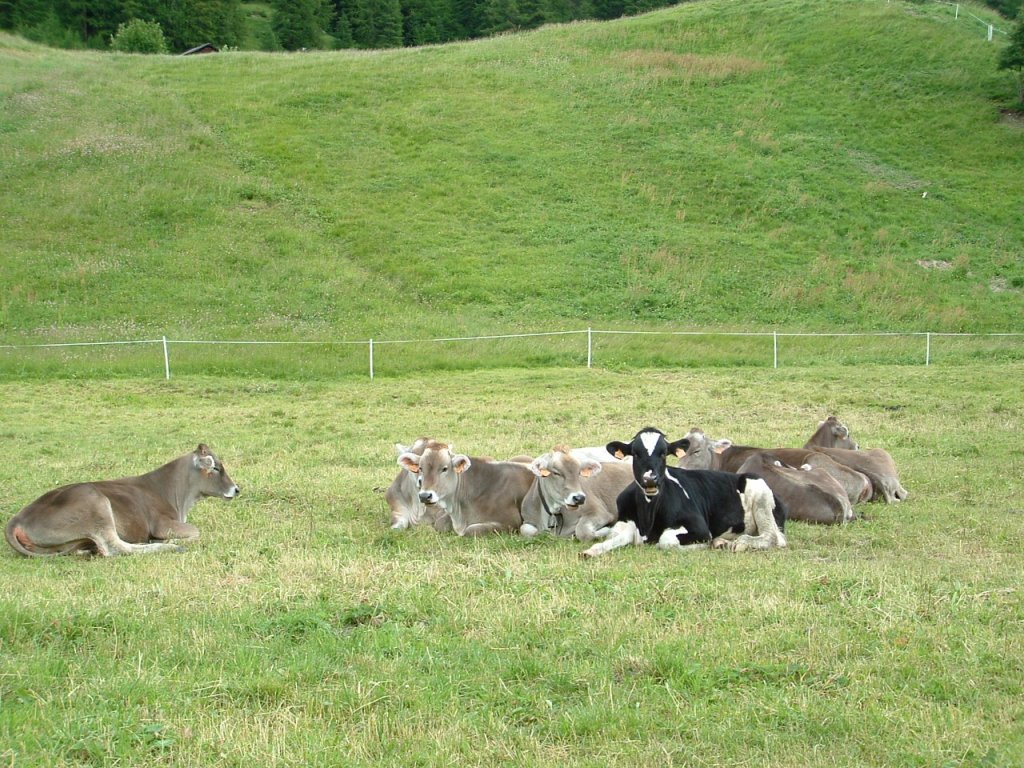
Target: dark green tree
{"points": [[138, 36], [1012, 57], [297, 24], [389, 24]]}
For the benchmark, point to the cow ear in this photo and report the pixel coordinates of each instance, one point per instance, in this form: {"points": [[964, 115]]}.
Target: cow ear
{"points": [[589, 468], [410, 461], [618, 449], [539, 466], [204, 463], [720, 445], [461, 463], [678, 448]]}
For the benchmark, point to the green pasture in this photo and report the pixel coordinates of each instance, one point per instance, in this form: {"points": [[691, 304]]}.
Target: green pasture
{"points": [[300, 630]]}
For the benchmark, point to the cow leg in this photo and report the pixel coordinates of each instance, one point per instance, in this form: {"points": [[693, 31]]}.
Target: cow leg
{"points": [[623, 534], [483, 529], [109, 543], [759, 504], [173, 529]]}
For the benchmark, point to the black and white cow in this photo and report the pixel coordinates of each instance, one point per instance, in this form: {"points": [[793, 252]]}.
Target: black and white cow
{"points": [[686, 509]]}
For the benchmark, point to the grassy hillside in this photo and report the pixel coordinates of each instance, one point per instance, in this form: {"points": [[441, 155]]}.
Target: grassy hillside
{"points": [[775, 163]]}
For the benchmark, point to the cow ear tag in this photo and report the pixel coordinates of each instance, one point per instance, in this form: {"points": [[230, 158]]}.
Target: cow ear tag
{"points": [[619, 454], [585, 472], [545, 473]]}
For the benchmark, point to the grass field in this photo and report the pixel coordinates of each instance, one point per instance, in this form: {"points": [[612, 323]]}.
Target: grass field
{"points": [[302, 631]]}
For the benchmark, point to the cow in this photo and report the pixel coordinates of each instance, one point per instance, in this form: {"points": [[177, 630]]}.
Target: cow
{"points": [[675, 508], [479, 496], [403, 498], [573, 495], [133, 515], [703, 452], [810, 494], [877, 465], [831, 433]]}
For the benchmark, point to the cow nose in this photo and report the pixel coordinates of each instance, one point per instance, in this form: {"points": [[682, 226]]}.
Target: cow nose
{"points": [[577, 498], [648, 478], [426, 496]]}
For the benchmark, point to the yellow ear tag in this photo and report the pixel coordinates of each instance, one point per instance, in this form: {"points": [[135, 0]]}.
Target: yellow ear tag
{"points": [[545, 473]]}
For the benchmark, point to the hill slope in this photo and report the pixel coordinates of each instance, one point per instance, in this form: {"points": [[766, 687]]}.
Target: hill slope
{"points": [[777, 163]]}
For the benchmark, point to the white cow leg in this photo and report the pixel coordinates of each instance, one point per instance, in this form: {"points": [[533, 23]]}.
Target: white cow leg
{"points": [[623, 534]]}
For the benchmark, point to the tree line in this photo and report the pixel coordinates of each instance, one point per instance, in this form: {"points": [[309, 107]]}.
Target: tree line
{"points": [[299, 24]]}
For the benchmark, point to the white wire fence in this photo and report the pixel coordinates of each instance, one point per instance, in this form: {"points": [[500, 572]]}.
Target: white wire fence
{"points": [[615, 349], [960, 12]]}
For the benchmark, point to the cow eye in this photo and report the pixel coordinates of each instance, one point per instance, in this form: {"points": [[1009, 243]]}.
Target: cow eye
{"points": [[444, 469]]}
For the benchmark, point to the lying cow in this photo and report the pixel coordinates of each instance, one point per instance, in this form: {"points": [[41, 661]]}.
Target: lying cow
{"points": [[877, 465], [810, 494], [133, 515], [478, 495], [683, 509], [573, 495], [403, 498], [703, 452]]}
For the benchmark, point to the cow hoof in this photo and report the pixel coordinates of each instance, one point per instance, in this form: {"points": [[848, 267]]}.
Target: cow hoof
{"points": [[721, 544]]}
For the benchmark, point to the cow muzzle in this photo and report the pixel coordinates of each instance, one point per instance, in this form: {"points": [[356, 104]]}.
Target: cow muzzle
{"points": [[648, 483], [428, 497], [232, 492], [575, 500]]}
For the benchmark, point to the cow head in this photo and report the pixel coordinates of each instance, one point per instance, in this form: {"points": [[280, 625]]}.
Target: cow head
{"points": [[559, 473], [650, 450], [832, 433], [699, 450], [213, 478], [437, 471]]}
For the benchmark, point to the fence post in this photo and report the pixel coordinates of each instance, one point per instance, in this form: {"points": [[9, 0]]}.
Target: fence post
{"points": [[371, 359], [928, 348], [167, 361], [957, 14], [990, 33], [775, 349], [590, 347]]}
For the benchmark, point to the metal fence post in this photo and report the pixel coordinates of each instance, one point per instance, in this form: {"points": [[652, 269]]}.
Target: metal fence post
{"points": [[590, 347], [371, 359], [775, 349], [928, 348], [167, 361]]}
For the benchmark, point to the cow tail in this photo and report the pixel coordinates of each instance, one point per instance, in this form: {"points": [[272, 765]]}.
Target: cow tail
{"points": [[19, 540]]}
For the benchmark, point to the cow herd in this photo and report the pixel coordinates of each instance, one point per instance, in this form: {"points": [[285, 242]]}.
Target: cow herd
{"points": [[718, 494]]}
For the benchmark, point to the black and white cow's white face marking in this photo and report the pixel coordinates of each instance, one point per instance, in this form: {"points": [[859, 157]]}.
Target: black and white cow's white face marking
{"points": [[649, 449]]}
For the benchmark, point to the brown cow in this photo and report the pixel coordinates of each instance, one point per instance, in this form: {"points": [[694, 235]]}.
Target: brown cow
{"points": [[703, 452], [877, 465], [574, 495], [480, 496], [403, 498], [133, 515], [811, 495]]}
